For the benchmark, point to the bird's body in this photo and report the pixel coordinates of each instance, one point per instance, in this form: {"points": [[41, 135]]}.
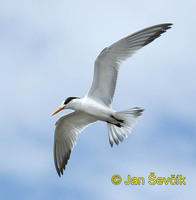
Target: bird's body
{"points": [[100, 111], [96, 105]]}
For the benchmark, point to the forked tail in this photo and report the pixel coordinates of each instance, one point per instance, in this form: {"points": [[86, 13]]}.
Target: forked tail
{"points": [[128, 118]]}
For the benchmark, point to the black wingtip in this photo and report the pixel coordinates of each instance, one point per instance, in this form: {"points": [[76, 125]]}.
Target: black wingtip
{"points": [[59, 174], [163, 29], [60, 169], [64, 163], [111, 144]]}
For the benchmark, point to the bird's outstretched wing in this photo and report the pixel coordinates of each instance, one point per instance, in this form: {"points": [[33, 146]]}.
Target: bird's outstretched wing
{"points": [[66, 132], [108, 62]]}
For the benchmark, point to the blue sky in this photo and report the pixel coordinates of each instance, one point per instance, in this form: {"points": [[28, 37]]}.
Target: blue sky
{"points": [[47, 52]]}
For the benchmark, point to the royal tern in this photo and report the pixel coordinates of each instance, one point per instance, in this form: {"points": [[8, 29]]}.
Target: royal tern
{"points": [[96, 105]]}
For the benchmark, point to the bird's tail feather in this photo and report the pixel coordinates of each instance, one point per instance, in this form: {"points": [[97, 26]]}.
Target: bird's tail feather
{"points": [[128, 118]]}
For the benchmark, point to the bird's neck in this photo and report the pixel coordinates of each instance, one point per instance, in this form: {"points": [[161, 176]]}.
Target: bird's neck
{"points": [[77, 104]]}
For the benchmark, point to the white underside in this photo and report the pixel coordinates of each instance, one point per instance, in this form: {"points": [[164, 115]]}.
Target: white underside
{"points": [[98, 110]]}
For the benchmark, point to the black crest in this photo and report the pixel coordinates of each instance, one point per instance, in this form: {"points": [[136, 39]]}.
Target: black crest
{"points": [[69, 99]]}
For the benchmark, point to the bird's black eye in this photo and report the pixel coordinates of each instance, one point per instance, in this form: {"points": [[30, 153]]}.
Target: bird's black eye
{"points": [[69, 99]]}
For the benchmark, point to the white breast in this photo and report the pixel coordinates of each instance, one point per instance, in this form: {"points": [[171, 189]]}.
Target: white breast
{"points": [[96, 109]]}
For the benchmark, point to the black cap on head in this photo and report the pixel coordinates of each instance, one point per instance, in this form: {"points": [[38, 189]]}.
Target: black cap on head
{"points": [[69, 99]]}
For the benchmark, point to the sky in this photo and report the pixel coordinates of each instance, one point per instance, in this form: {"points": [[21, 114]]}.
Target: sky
{"points": [[47, 53]]}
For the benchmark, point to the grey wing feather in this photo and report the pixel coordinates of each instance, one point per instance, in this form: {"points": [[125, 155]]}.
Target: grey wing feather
{"points": [[66, 132], [108, 62]]}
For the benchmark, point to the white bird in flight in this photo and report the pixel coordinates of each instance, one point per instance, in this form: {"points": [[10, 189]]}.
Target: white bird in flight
{"points": [[96, 105]]}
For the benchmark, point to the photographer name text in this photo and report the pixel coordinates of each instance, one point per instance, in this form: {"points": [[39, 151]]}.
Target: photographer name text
{"points": [[152, 180]]}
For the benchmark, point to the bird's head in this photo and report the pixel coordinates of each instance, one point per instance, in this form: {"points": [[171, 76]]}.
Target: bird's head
{"points": [[68, 103]]}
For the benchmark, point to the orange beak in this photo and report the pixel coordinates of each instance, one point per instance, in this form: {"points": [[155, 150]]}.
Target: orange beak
{"points": [[58, 110]]}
